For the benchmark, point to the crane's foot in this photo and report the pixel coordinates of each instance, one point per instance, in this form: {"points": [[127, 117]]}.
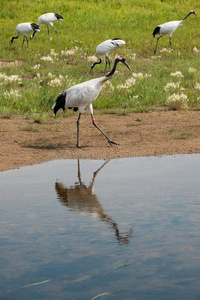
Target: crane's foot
{"points": [[111, 142], [78, 146]]}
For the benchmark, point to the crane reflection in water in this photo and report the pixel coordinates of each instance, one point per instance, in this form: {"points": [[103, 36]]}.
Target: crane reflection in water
{"points": [[81, 198]]}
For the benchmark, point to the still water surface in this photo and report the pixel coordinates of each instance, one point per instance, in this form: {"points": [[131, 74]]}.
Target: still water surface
{"points": [[92, 229]]}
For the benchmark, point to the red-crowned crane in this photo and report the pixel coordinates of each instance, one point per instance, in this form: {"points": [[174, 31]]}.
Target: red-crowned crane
{"points": [[169, 28], [48, 19], [80, 97], [104, 49], [25, 29]]}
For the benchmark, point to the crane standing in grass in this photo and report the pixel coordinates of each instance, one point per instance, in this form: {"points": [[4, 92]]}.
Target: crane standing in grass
{"points": [[48, 19], [169, 28], [80, 97], [104, 49], [25, 29]]}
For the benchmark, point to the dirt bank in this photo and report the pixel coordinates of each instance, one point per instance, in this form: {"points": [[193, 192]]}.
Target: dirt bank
{"points": [[25, 142]]}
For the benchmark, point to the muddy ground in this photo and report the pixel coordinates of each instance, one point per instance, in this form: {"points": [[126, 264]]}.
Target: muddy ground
{"points": [[26, 142]]}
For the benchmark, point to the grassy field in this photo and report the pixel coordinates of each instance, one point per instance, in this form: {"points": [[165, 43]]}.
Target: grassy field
{"points": [[31, 79]]}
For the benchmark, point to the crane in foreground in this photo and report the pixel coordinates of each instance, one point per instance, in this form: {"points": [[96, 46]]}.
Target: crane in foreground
{"points": [[169, 28], [48, 19], [25, 29], [80, 97], [104, 49]]}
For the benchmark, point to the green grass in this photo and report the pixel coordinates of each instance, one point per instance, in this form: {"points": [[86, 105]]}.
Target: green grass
{"points": [[88, 23]]}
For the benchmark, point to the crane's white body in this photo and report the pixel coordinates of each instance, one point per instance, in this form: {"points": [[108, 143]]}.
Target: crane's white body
{"points": [[105, 47], [24, 28], [48, 19], [169, 28], [82, 95]]}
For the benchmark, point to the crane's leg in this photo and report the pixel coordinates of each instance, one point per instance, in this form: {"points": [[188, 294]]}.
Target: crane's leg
{"points": [[55, 31], [109, 63], [94, 123], [157, 44], [23, 41], [170, 42], [48, 30], [106, 65], [27, 41], [78, 122]]}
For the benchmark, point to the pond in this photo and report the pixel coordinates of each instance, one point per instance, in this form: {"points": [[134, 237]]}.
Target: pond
{"points": [[125, 228]]}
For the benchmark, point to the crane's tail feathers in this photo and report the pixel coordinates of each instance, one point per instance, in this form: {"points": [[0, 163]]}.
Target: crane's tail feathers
{"points": [[156, 31], [60, 103]]}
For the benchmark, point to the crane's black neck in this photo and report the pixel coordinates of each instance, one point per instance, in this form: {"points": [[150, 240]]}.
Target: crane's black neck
{"points": [[95, 63], [187, 16], [113, 69]]}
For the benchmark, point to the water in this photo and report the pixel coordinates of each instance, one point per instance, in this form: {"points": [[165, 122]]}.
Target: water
{"points": [[120, 229]]}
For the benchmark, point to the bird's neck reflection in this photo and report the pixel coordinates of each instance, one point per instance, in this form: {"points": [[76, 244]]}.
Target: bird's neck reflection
{"points": [[82, 199]]}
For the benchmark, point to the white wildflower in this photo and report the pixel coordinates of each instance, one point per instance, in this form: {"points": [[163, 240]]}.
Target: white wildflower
{"points": [[69, 52], [11, 78], [192, 70], [197, 86], [50, 75], [133, 56], [134, 97], [53, 53], [177, 74], [70, 82], [47, 58], [177, 101], [128, 83], [141, 75], [55, 82], [196, 50], [12, 94], [110, 85], [166, 50], [175, 97], [92, 58], [60, 77], [171, 85], [36, 67], [138, 75]]}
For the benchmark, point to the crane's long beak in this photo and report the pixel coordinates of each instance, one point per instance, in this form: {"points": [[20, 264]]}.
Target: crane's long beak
{"points": [[127, 65]]}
